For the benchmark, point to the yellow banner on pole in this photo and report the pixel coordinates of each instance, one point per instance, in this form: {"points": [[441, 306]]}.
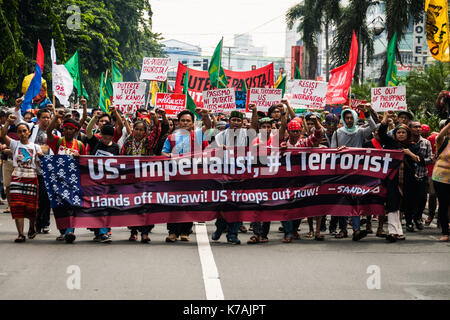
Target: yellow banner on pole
{"points": [[438, 29]]}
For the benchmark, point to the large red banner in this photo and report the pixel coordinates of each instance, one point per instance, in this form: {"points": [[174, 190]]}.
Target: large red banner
{"points": [[199, 80]]}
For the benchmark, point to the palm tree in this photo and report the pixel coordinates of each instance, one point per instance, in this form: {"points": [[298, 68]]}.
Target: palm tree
{"points": [[313, 15], [398, 14], [353, 19]]}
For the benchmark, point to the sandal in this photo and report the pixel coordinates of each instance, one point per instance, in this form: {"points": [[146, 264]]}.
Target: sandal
{"points": [[319, 237], [20, 238], [287, 240], [7, 210], [398, 237], [444, 238], [254, 239], [428, 221], [145, 238], [133, 237], [264, 239], [341, 234], [32, 234], [309, 235], [381, 234], [297, 236]]}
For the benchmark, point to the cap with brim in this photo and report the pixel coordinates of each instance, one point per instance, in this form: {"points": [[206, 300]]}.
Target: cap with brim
{"points": [[236, 114], [409, 114]]}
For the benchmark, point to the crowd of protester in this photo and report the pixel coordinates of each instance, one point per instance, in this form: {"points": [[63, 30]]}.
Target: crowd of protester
{"points": [[423, 177]]}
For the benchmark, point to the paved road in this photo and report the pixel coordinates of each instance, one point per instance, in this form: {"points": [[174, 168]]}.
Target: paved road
{"points": [[418, 268]]}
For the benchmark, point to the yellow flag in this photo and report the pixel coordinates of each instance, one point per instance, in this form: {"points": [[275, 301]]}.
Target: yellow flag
{"points": [[275, 85], [154, 89], [438, 29]]}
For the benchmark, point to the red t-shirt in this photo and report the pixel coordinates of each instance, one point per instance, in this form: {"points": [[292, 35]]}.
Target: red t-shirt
{"points": [[64, 148]]}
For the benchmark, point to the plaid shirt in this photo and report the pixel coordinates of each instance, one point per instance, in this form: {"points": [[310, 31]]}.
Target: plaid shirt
{"points": [[425, 153]]}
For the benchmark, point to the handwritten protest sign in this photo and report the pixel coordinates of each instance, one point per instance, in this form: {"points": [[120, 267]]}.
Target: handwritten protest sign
{"points": [[128, 109], [62, 84], [389, 98], [172, 103], [264, 98], [221, 100], [154, 69], [129, 93], [310, 93]]}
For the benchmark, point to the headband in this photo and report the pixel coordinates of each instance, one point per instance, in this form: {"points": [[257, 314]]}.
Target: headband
{"points": [[68, 124]]}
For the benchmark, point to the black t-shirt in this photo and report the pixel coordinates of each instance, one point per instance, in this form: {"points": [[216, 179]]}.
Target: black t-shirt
{"points": [[98, 148]]}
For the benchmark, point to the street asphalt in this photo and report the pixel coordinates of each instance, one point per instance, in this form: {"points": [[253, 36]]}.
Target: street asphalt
{"points": [[43, 268]]}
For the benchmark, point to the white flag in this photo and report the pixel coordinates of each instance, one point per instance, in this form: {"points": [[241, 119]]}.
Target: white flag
{"points": [[53, 52], [62, 83]]}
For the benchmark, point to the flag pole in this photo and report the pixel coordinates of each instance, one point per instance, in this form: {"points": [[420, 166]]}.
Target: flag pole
{"points": [[220, 62], [148, 96], [350, 97]]}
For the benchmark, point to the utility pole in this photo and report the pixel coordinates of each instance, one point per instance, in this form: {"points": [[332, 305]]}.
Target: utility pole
{"points": [[229, 55]]}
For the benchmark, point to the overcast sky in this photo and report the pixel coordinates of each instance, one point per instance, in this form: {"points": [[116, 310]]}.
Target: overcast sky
{"points": [[204, 22]]}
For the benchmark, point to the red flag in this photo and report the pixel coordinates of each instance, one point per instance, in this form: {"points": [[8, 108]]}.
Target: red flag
{"points": [[341, 77], [40, 56]]}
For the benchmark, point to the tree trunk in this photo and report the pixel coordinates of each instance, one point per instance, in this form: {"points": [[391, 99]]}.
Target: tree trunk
{"points": [[327, 66], [313, 63], [362, 64]]}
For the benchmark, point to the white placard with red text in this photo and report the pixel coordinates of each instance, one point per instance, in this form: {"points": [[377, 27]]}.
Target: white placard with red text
{"points": [[264, 98], [128, 109], [129, 93], [172, 103], [154, 69], [220, 100], [389, 99], [309, 93]]}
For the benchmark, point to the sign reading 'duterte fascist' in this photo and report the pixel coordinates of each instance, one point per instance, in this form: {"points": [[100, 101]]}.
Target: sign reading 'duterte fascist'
{"points": [[132, 93], [264, 98], [154, 69], [220, 100], [309, 93], [172, 103], [389, 98]]}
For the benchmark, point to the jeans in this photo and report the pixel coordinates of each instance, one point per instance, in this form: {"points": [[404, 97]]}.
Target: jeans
{"points": [[68, 230], [335, 220], [261, 229], [442, 192], [288, 227], [414, 191], [43, 213], [232, 230], [100, 231]]}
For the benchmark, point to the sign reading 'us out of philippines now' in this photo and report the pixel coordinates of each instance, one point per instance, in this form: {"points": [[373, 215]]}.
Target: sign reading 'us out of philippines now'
{"points": [[389, 98]]}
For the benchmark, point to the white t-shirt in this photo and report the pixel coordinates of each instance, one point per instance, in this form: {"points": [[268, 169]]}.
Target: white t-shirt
{"points": [[24, 155]]}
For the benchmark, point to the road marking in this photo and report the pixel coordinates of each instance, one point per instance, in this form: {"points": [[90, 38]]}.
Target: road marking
{"points": [[211, 278], [416, 294]]}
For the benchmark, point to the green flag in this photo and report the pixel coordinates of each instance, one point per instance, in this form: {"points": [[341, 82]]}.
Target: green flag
{"points": [[116, 75], [391, 75], [216, 73], [297, 72], [244, 85], [106, 92], [190, 104], [281, 85], [74, 68]]}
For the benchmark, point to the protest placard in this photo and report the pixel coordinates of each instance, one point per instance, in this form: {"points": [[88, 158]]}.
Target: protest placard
{"points": [[128, 109], [241, 99], [264, 98], [172, 103], [129, 93], [389, 98], [309, 93], [154, 69], [221, 100]]}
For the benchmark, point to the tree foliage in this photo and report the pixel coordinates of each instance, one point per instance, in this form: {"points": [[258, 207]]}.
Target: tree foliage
{"points": [[109, 29]]}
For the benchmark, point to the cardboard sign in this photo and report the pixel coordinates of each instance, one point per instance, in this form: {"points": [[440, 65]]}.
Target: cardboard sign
{"points": [[128, 109], [264, 98], [389, 98], [129, 93], [154, 69], [309, 93], [241, 99], [221, 100], [172, 103]]}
